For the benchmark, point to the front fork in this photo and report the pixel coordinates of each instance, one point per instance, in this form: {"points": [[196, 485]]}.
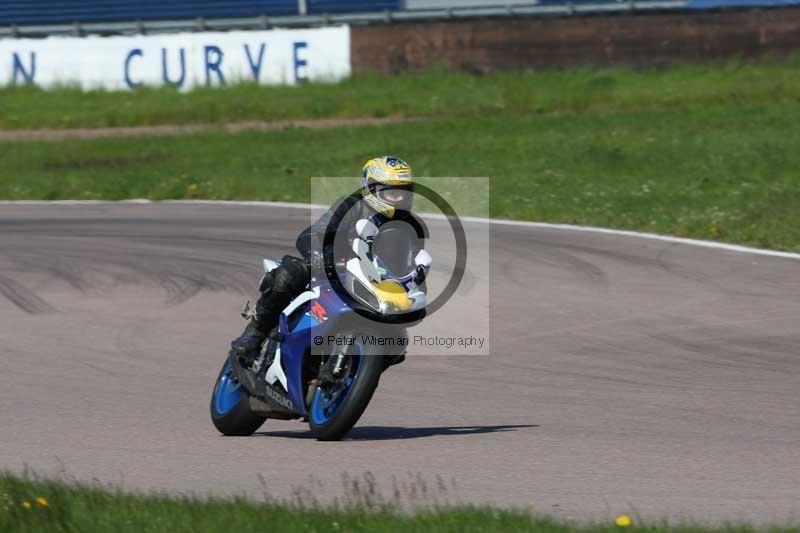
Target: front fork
{"points": [[330, 371]]}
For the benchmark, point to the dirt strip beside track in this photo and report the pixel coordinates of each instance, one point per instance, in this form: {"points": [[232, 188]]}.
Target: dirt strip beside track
{"points": [[56, 134]]}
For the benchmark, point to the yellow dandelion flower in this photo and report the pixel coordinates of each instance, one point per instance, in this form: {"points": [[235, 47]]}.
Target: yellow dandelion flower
{"points": [[624, 520], [41, 501], [26, 504]]}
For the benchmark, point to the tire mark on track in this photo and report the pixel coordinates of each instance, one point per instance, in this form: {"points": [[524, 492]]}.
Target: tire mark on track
{"points": [[180, 273], [23, 297], [554, 257]]}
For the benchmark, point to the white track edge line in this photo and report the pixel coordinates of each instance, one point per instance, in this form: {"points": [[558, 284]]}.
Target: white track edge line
{"points": [[482, 220]]}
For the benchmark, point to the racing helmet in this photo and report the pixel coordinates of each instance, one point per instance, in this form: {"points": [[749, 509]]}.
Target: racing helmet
{"points": [[387, 185]]}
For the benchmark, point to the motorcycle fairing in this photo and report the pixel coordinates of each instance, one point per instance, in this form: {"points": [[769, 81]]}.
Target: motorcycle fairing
{"points": [[297, 338]]}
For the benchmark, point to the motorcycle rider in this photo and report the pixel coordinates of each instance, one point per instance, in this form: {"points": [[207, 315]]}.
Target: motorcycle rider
{"points": [[387, 193]]}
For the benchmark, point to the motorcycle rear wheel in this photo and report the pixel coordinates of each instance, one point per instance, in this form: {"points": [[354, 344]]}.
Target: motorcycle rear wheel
{"points": [[230, 406]]}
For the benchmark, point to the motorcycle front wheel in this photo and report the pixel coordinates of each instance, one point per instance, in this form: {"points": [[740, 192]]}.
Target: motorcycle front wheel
{"points": [[336, 406]]}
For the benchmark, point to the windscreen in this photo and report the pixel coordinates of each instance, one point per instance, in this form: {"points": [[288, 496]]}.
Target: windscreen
{"points": [[394, 248]]}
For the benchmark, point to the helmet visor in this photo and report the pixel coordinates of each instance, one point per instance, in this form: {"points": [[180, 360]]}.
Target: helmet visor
{"points": [[401, 198]]}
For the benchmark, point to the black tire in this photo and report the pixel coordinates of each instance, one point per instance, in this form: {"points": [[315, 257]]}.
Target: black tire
{"points": [[240, 420], [356, 401]]}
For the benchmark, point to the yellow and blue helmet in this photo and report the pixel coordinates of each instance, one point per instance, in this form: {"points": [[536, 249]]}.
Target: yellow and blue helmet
{"points": [[387, 185]]}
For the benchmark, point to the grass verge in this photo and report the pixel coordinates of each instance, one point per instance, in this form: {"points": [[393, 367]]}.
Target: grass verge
{"points": [[724, 172], [435, 93], [46, 506]]}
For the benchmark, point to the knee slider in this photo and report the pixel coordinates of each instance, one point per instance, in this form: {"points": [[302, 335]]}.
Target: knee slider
{"points": [[266, 282], [291, 277]]}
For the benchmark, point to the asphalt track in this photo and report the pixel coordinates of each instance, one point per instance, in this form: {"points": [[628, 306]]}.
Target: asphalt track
{"points": [[626, 375]]}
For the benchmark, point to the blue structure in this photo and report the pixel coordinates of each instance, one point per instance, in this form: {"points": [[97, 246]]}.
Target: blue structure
{"points": [[350, 6], [715, 4], [67, 11]]}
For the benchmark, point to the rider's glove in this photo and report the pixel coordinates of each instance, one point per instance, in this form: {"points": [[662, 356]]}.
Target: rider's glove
{"points": [[317, 262], [423, 261], [419, 274]]}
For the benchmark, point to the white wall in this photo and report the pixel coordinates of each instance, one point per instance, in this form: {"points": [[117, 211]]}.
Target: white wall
{"points": [[185, 59]]}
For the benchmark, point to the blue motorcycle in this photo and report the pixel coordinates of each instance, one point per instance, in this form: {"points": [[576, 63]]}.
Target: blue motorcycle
{"points": [[335, 341]]}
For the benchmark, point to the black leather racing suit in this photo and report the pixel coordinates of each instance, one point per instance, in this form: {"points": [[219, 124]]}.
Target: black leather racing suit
{"points": [[280, 286]]}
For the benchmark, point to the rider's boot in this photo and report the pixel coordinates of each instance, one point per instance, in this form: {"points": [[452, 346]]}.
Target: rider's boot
{"points": [[268, 311], [248, 345], [277, 290]]}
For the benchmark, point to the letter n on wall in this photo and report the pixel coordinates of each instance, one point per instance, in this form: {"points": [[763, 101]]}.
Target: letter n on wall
{"points": [[28, 74]]}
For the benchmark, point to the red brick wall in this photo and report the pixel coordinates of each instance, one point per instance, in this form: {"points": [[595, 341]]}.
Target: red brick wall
{"points": [[529, 43]]}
